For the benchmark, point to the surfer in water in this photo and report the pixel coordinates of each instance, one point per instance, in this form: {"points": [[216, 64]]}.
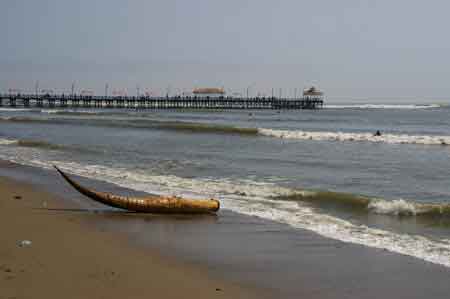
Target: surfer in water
{"points": [[377, 133]]}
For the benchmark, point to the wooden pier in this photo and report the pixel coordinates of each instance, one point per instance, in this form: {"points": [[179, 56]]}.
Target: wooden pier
{"points": [[145, 102]]}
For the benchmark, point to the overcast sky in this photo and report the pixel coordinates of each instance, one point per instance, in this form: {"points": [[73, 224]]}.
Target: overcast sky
{"points": [[382, 50]]}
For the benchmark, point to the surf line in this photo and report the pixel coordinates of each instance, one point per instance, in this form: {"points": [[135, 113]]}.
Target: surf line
{"points": [[149, 204]]}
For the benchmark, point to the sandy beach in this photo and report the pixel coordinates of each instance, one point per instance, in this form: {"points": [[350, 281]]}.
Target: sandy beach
{"points": [[83, 249], [66, 259], [224, 149]]}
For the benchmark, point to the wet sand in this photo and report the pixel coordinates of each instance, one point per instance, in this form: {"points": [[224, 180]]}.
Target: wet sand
{"points": [[67, 259], [244, 254]]}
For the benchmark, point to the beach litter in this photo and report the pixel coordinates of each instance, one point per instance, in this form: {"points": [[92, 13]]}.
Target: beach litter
{"points": [[24, 243]]}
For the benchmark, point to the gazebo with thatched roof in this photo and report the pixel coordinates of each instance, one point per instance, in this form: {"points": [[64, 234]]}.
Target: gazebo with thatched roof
{"points": [[209, 92], [312, 92]]}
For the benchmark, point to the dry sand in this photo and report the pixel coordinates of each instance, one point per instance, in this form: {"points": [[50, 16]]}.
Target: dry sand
{"points": [[93, 251], [68, 259]]}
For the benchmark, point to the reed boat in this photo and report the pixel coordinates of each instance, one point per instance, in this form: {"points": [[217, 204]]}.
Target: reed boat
{"points": [[148, 204]]}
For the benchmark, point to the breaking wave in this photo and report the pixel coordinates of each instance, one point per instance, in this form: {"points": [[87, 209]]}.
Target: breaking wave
{"points": [[142, 123], [41, 144], [361, 137], [382, 106], [7, 141], [17, 109], [394, 207], [25, 119], [272, 202], [204, 128], [72, 112], [199, 127]]}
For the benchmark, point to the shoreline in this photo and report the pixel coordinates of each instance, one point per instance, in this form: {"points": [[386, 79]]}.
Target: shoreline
{"points": [[258, 255], [68, 259]]}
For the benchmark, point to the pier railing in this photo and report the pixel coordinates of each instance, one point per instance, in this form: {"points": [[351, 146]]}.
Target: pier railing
{"points": [[146, 102]]}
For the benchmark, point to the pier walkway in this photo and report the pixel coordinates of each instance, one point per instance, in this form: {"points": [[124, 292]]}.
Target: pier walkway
{"points": [[145, 102]]}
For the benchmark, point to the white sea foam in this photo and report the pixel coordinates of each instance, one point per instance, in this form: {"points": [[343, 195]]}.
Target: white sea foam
{"points": [[381, 106], [50, 111], [7, 141], [16, 109], [253, 198], [393, 207], [68, 111], [361, 137]]}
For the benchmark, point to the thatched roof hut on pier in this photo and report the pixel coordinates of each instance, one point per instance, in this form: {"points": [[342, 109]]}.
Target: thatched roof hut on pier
{"points": [[312, 92], [209, 92]]}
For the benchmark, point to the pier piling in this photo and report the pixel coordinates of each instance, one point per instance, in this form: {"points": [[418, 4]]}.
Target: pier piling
{"points": [[146, 102]]}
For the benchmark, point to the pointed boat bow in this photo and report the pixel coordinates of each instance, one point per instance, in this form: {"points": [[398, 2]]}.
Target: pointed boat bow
{"points": [[150, 204]]}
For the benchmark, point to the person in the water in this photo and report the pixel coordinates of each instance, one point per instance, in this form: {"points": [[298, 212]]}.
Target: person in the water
{"points": [[377, 133]]}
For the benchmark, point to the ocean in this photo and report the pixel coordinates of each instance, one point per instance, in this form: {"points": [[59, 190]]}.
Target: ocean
{"points": [[320, 170]]}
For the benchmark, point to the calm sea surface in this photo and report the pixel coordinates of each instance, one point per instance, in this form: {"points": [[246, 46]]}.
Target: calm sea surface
{"points": [[320, 170]]}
